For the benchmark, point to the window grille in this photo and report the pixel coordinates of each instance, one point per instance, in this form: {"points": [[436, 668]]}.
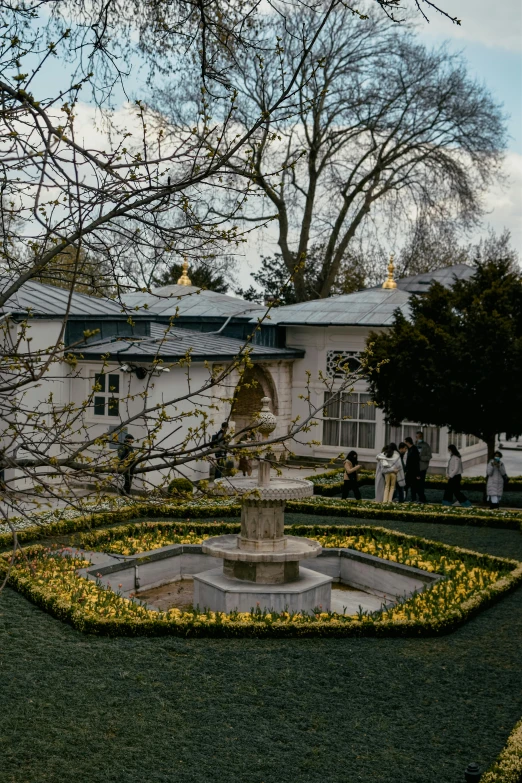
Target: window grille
{"points": [[340, 363]]}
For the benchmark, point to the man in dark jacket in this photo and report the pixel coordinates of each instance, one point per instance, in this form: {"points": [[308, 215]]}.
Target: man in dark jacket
{"points": [[216, 440], [425, 456], [412, 468], [125, 452]]}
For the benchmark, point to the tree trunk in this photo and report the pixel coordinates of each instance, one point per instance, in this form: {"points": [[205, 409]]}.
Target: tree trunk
{"points": [[490, 442]]}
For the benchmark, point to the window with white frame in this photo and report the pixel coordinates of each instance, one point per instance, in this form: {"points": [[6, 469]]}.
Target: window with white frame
{"points": [[349, 420], [105, 394], [409, 429], [462, 441]]}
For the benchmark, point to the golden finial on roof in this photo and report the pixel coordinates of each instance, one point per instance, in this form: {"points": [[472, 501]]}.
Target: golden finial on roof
{"points": [[390, 282], [184, 279]]}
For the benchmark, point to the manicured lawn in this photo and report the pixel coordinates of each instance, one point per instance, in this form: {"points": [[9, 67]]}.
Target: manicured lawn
{"points": [[328, 711], [503, 543]]}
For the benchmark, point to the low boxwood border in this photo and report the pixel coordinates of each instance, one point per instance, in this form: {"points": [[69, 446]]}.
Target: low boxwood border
{"points": [[116, 516], [328, 507], [442, 515], [330, 482], [507, 768], [269, 625]]}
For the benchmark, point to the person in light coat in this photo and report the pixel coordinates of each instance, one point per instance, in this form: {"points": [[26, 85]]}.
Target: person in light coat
{"points": [[496, 478], [387, 469], [382, 462], [454, 474]]}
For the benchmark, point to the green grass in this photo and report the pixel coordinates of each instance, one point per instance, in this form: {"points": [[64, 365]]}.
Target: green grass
{"points": [[224, 711], [503, 543]]}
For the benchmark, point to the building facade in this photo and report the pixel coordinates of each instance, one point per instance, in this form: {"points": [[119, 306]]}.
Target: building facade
{"points": [[294, 358]]}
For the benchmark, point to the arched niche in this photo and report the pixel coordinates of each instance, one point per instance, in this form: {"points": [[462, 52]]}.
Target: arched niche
{"points": [[255, 384]]}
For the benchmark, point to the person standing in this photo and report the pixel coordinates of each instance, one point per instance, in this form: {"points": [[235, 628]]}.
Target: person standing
{"points": [[351, 466], [454, 474], [219, 440], [125, 452], [401, 475], [381, 464], [425, 455], [245, 461], [412, 468], [496, 480], [391, 471]]}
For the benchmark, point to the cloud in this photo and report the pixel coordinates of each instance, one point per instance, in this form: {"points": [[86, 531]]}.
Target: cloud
{"points": [[504, 204], [482, 21]]}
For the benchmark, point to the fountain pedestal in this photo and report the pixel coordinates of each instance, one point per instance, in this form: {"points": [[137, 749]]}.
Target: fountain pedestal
{"points": [[261, 566]]}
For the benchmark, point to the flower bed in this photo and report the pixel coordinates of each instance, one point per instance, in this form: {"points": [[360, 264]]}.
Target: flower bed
{"points": [[331, 482], [472, 581], [421, 512], [68, 521], [64, 521], [508, 766]]}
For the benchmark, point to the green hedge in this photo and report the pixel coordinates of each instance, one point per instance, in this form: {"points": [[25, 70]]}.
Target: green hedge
{"points": [[508, 766], [123, 514], [262, 624], [445, 515], [331, 482], [327, 507]]}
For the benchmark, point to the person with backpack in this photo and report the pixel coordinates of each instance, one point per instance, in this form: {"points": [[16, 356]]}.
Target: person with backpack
{"points": [[454, 474], [497, 479], [125, 452], [425, 455], [351, 466]]}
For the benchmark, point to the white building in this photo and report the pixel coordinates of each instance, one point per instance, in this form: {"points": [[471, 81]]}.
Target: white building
{"points": [[290, 353]]}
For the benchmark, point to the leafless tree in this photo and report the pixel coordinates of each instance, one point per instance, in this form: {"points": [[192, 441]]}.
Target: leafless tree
{"points": [[385, 128], [131, 194]]}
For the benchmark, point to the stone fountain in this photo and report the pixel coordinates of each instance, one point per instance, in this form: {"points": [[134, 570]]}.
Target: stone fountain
{"points": [[261, 566]]}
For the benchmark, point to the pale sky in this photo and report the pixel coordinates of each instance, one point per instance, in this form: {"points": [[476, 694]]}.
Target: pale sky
{"points": [[490, 37]]}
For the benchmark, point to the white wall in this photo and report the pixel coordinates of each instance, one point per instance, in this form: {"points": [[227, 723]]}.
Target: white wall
{"points": [[317, 341], [164, 390], [40, 336]]}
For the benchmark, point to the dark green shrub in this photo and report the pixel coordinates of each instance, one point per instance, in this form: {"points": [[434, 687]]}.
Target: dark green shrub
{"points": [[180, 487]]}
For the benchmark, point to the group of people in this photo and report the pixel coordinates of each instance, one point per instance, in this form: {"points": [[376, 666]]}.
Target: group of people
{"points": [[401, 471]]}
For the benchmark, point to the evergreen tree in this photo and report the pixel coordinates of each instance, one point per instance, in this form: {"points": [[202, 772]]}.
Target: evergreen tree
{"points": [[277, 285], [457, 360], [201, 276]]}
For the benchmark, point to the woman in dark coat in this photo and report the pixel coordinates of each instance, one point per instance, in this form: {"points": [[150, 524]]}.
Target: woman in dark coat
{"points": [[351, 467]]}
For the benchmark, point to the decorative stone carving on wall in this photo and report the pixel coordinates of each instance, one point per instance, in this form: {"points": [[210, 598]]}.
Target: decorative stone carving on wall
{"points": [[338, 363]]}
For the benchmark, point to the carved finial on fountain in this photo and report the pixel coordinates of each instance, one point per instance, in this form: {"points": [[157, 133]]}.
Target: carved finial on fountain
{"points": [[266, 423]]}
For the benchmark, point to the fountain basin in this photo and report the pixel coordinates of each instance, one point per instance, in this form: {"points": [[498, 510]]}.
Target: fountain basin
{"points": [[277, 489], [309, 591]]}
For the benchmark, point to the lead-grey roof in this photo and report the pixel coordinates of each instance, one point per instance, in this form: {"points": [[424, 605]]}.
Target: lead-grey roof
{"points": [[419, 284], [174, 345], [188, 301], [41, 299], [371, 307]]}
